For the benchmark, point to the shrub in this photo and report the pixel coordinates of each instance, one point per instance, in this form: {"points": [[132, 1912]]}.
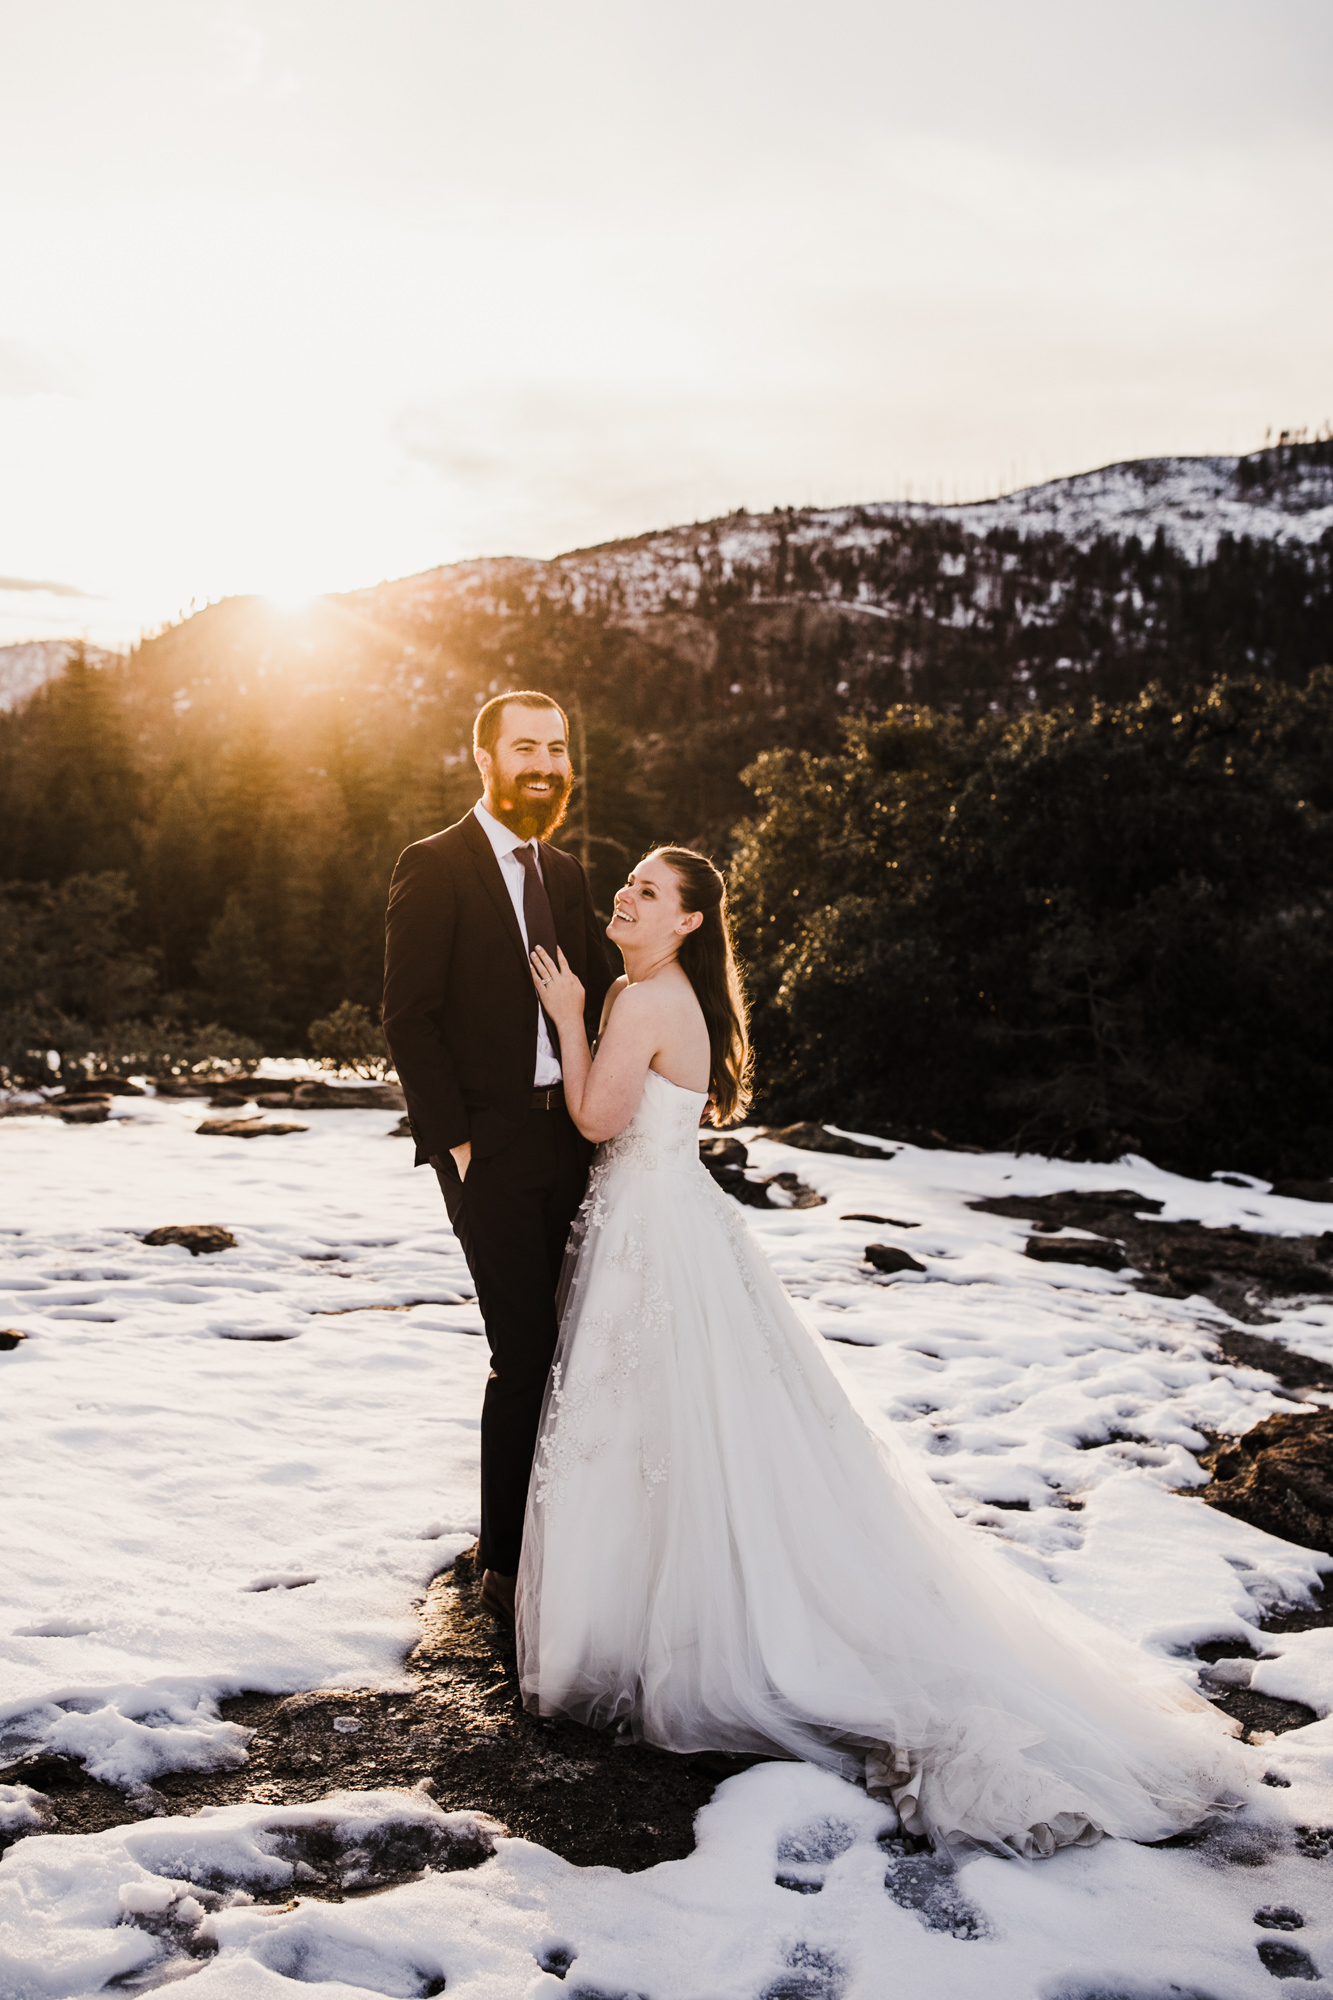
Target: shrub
{"points": [[349, 1039], [1081, 934]]}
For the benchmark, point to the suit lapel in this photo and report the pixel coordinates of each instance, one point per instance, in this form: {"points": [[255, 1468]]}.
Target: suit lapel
{"points": [[488, 868]]}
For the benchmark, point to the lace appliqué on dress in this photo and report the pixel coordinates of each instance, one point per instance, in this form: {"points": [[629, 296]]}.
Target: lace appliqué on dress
{"points": [[579, 1421]]}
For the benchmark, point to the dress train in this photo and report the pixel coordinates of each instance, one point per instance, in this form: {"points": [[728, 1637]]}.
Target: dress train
{"points": [[724, 1552]]}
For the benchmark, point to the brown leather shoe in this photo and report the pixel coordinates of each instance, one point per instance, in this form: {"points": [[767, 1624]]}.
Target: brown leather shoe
{"points": [[497, 1595]]}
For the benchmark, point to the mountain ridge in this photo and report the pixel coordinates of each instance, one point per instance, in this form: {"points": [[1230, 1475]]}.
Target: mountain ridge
{"points": [[1278, 494]]}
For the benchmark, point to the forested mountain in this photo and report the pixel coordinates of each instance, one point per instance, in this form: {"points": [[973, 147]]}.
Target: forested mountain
{"points": [[25, 668], [252, 773]]}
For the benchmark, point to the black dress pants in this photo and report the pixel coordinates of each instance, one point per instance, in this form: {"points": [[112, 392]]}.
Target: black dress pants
{"points": [[512, 1216]]}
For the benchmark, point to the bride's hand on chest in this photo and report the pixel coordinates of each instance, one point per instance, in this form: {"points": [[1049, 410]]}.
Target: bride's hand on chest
{"points": [[559, 988]]}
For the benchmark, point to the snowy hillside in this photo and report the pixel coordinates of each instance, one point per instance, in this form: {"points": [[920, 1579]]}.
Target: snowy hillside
{"points": [[23, 669], [1192, 502], [240, 1470]]}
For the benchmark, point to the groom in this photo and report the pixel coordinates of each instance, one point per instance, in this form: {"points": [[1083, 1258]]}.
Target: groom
{"points": [[480, 1067]]}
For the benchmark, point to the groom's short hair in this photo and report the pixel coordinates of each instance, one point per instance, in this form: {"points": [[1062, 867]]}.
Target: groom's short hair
{"points": [[486, 728]]}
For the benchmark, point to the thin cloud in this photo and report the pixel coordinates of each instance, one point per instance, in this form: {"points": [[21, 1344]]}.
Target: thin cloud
{"points": [[47, 588]]}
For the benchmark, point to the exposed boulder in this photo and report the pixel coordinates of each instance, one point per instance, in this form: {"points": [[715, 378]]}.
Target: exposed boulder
{"points": [[1097, 1250], [320, 1096], [1194, 1259], [1279, 1477], [201, 1239], [85, 1110], [727, 1161], [1292, 1369], [245, 1128], [796, 1191], [888, 1257], [1240, 1269], [10, 1338], [185, 1086], [99, 1086], [812, 1138]]}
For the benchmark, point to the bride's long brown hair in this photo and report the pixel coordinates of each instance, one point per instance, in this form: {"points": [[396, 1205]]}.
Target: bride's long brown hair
{"points": [[708, 961]]}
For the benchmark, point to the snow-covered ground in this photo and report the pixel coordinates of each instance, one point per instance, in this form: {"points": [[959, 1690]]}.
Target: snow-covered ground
{"points": [[238, 1471]]}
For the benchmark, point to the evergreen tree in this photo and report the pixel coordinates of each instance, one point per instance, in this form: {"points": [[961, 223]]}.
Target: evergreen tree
{"points": [[236, 984]]}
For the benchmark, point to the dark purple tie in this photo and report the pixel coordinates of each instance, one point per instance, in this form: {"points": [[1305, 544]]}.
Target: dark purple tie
{"points": [[537, 906], [538, 919]]}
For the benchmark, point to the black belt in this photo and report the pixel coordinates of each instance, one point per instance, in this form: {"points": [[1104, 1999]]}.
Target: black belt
{"points": [[550, 1099]]}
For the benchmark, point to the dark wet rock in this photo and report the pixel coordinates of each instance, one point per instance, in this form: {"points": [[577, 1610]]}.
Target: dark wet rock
{"points": [[1277, 1917], [1305, 1190], [1286, 1961], [317, 1095], [1193, 1259], [1230, 1692], [245, 1128], [1107, 1256], [888, 1257], [798, 1194], [1240, 1269], [727, 1160], [1259, 1715], [750, 1192], [812, 1138], [102, 1086], [348, 1854], [201, 1239], [1279, 1477], [185, 1086], [233, 1099], [85, 1110], [403, 1129], [883, 1221], [1293, 1369], [10, 1338], [72, 1802]]}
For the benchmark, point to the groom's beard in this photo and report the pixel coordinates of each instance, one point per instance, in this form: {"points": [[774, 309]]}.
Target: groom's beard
{"points": [[532, 816]]}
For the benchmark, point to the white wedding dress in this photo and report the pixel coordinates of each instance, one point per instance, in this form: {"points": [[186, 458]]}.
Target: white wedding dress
{"points": [[724, 1552]]}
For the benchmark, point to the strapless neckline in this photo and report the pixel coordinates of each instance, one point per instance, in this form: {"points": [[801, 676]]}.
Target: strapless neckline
{"points": [[684, 1089]]}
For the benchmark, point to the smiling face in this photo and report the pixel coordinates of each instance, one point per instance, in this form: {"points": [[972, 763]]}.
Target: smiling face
{"points": [[649, 918], [527, 775]]}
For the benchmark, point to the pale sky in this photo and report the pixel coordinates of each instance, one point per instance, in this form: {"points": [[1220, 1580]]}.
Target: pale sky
{"points": [[299, 294]]}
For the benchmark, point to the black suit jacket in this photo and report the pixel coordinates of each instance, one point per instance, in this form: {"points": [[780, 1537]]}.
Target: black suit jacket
{"points": [[460, 1009]]}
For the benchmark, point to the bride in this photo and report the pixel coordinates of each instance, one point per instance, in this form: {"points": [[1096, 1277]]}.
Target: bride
{"points": [[722, 1551]]}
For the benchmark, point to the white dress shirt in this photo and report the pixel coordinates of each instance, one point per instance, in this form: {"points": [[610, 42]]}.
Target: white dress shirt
{"points": [[506, 844]]}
